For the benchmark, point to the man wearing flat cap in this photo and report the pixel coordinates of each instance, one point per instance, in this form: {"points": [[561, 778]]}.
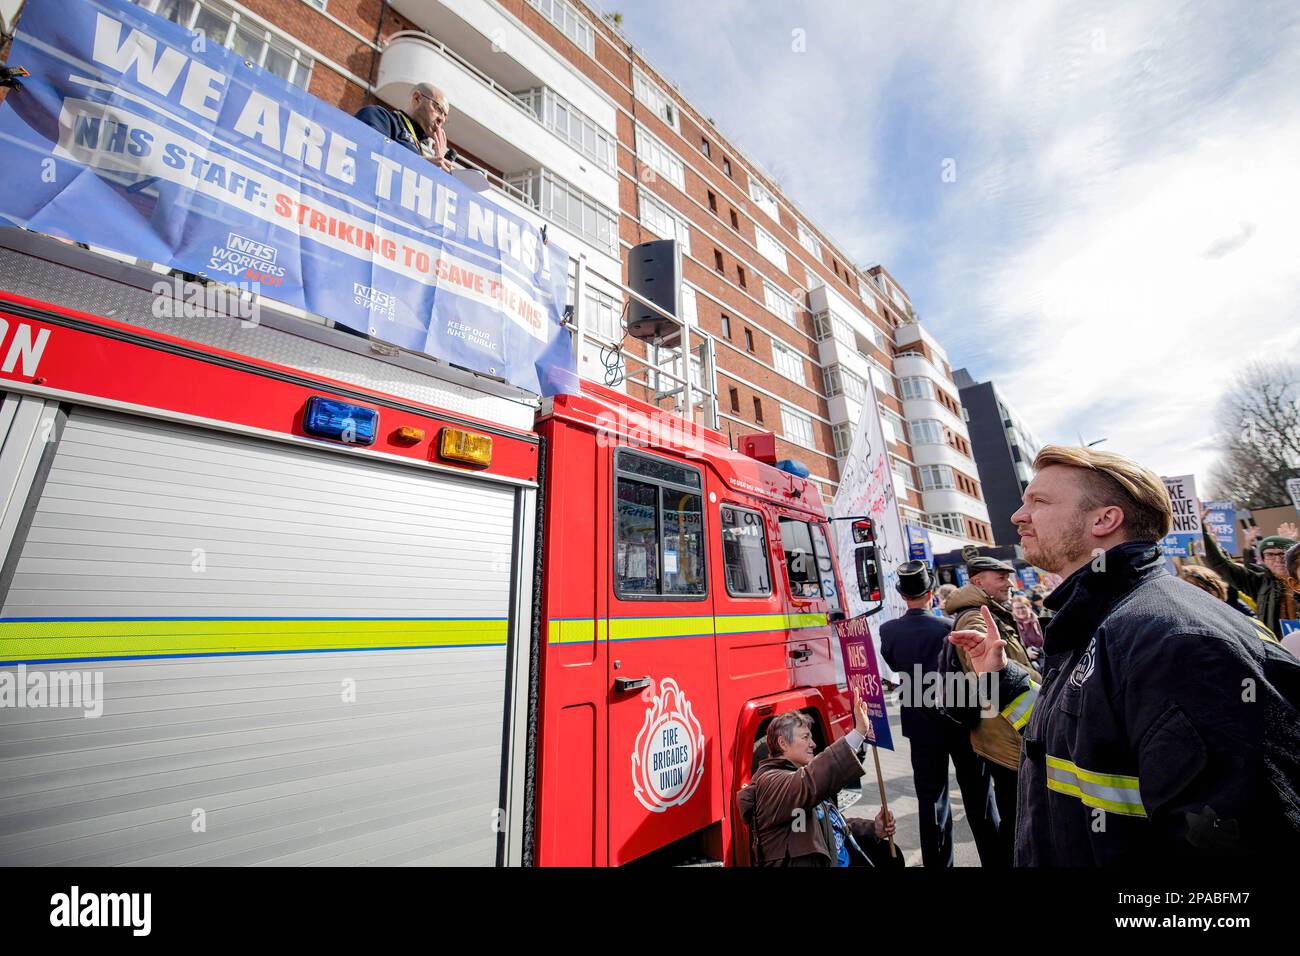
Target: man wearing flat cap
{"points": [[994, 739], [911, 645]]}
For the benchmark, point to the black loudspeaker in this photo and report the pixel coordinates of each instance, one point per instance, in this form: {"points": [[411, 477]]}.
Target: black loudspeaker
{"points": [[652, 274]]}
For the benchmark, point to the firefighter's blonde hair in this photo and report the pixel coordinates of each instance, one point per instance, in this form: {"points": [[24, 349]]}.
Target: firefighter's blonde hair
{"points": [[1111, 479]]}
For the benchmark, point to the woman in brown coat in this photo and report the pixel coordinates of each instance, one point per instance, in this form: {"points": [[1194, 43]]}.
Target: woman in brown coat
{"points": [[789, 805]]}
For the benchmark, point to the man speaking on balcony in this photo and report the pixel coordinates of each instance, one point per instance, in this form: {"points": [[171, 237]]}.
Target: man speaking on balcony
{"points": [[419, 126]]}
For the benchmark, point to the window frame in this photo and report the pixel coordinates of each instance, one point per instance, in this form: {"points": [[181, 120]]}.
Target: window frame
{"points": [[659, 484], [767, 552], [790, 413]]}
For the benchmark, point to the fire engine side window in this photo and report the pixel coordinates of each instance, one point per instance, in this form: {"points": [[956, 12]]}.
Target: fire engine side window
{"points": [[800, 559], [744, 553], [825, 567], [637, 554], [659, 528]]}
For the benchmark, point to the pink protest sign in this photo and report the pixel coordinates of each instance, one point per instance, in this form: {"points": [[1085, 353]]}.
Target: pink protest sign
{"points": [[859, 656]]}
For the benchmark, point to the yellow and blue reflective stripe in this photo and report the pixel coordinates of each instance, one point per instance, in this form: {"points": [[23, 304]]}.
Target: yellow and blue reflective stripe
{"points": [[1113, 792], [51, 640], [1265, 632], [586, 629], [1020, 709]]}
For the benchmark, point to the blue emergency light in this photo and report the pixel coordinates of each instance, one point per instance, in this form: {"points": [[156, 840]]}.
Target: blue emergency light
{"points": [[339, 421], [796, 468]]}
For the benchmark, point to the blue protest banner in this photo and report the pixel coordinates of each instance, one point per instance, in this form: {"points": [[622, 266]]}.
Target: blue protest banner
{"points": [[918, 545], [1219, 518], [863, 675], [132, 134]]}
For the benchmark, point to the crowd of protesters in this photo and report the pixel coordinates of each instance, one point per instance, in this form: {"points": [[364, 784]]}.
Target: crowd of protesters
{"points": [[1134, 716]]}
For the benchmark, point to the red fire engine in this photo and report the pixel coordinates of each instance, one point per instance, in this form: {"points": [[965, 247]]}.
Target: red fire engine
{"points": [[350, 605]]}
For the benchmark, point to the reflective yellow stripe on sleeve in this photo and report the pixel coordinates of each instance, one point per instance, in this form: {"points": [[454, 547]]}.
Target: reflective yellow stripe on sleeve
{"points": [[1116, 793], [1019, 710]]}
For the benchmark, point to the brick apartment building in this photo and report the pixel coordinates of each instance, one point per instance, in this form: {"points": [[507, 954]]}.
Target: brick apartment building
{"points": [[574, 129]]}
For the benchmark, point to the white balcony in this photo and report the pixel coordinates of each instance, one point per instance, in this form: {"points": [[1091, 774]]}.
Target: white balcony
{"points": [[942, 501], [487, 120], [939, 454], [497, 45], [917, 408], [915, 332]]}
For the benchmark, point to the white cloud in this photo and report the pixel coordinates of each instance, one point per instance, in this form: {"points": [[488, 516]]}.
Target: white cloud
{"points": [[1125, 228]]}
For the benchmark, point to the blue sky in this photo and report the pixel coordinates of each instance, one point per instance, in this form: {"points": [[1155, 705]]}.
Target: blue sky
{"points": [[1124, 227]]}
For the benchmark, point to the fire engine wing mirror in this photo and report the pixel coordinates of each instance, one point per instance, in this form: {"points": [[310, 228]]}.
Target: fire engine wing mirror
{"points": [[868, 576]]}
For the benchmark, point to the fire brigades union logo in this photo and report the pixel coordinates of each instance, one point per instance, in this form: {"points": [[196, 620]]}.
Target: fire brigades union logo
{"points": [[668, 761]]}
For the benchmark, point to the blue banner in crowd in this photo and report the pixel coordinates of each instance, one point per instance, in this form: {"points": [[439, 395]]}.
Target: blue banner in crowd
{"points": [[1219, 518], [135, 134], [918, 545]]}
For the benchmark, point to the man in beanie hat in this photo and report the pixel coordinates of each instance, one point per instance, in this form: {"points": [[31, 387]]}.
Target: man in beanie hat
{"points": [[994, 739], [1264, 582], [911, 645]]}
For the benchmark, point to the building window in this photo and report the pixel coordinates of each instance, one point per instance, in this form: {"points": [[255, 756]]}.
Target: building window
{"points": [[763, 199], [749, 341], [780, 303], [893, 426], [936, 478], [950, 522], [659, 219], [809, 241], [734, 395], [604, 316], [565, 18], [690, 312], [843, 436], [570, 124], [744, 553], [735, 220], [770, 248], [659, 528], [651, 151], [655, 98], [740, 275], [788, 362], [240, 33], [704, 146], [903, 472], [717, 261], [839, 379], [758, 410], [726, 327], [927, 431], [797, 426], [713, 202], [916, 386], [568, 206], [726, 165]]}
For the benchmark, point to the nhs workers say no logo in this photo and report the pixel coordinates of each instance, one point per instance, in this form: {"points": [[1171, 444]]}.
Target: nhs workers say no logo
{"points": [[668, 760]]}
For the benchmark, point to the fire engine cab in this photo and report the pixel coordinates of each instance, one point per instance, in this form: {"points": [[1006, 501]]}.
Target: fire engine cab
{"points": [[345, 604]]}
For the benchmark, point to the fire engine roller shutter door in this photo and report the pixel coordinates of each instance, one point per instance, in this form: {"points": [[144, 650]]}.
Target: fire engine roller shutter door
{"points": [[175, 541]]}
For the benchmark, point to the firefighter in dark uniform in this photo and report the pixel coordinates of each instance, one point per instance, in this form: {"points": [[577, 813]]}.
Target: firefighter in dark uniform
{"points": [[911, 645], [1164, 730]]}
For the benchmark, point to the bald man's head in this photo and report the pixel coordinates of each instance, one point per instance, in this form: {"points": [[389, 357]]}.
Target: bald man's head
{"points": [[428, 107]]}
